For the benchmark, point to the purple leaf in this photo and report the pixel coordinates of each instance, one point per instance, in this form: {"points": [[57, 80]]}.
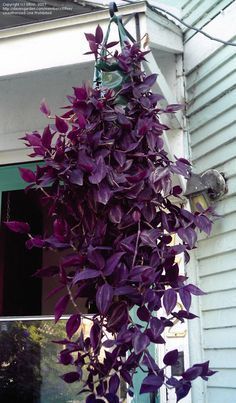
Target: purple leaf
{"points": [[65, 358], [119, 316], [149, 362], [143, 313], [193, 289], [111, 398], [95, 335], [76, 177], [124, 290], [203, 223], [111, 44], [61, 125], [61, 229], [157, 327], [149, 237], [103, 194], [90, 37], [184, 315], [182, 390], [140, 342], [71, 377], [60, 307], [27, 175], [104, 297], [81, 120], [47, 137], [18, 226], [99, 34], [169, 300], [150, 80], [72, 325], [151, 384], [112, 263], [93, 46], [81, 92], [114, 383], [192, 373], [185, 297], [116, 214], [47, 271], [108, 343], [188, 235], [85, 275], [171, 357], [173, 108], [73, 259], [94, 256], [44, 108], [99, 172]]}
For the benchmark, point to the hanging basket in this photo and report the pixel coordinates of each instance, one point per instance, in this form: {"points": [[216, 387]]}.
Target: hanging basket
{"points": [[107, 72]]}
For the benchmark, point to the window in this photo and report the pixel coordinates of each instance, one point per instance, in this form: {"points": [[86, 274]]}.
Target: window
{"points": [[29, 369]]}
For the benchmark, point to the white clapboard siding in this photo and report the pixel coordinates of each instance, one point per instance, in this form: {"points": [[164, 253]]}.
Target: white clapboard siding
{"points": [[215, 356], [219, 395], [211, 127], [219, 281], [213, 142], [224, 378], [218, 300], [219, 59], [211, 111], [212, 159], [217, 263], [205, 11], [220, 318], [220, 87]]}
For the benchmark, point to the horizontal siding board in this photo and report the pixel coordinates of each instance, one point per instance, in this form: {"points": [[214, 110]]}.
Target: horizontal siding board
{"points": [[216, 8], [220, 58], [219, 318], [219, 300], [224, 378], [221, 121], [219, 357], [219, 281], [217, 264], [217, 108], [190, 8], [202, 8], [220, 338], [221, 395], [213, 92], [217, 245], [215, 157], [214, 77], [227, 205], [213, 142]]}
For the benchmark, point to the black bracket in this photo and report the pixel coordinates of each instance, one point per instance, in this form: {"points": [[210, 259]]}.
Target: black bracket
{"points": [[112, 8]]}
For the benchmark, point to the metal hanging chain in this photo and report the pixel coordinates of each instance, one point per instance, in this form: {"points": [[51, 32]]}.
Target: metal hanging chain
{"points": [[155, 8]]}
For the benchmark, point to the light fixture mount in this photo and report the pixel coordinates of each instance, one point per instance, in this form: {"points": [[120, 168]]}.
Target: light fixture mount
{"points": [[205, 189]]}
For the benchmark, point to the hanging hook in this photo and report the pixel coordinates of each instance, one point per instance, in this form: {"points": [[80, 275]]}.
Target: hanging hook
{"points": [[112, 8]]}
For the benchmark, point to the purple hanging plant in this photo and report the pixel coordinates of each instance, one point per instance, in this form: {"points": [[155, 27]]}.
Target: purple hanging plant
{"points": [[107, 181]]}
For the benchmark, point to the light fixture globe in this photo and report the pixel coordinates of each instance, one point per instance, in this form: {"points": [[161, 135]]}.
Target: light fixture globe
{"points": [[203, 189]]}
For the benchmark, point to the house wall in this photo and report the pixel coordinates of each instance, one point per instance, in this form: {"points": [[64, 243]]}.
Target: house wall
{"points": [[210, 69]]}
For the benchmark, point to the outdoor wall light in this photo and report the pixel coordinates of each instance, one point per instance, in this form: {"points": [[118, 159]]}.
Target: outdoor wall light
{"points": [[205, 189]]}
